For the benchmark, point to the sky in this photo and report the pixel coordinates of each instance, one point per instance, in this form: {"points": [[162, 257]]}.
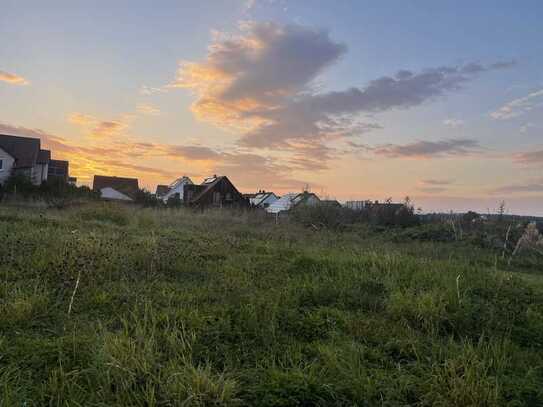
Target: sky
{"points": [[438, 101]]}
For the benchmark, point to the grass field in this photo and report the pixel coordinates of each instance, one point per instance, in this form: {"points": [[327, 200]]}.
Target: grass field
{"points": [[110, 306]]}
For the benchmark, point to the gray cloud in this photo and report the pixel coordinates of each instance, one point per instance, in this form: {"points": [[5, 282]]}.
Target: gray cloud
{"points": [[429, 149], [529, 157], [436, 182], [530, 187], [261, 82]]}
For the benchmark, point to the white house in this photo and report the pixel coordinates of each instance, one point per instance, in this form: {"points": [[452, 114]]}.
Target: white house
{"points": [[291, 200], [175, 189], [23, 155], [116, 188], [263, 199]]}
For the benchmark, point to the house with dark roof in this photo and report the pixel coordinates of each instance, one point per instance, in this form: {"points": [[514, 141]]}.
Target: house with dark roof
{"points": [[161, 190], [59, 170], [215, 191], [116, 188], [23, 155]]}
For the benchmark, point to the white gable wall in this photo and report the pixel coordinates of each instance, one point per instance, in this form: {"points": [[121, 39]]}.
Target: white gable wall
{"points": [[177, 188], [7, 165]]}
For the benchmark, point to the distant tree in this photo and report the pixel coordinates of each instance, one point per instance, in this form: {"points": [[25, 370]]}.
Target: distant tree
{"points": [[470, 216], [146, 199]]}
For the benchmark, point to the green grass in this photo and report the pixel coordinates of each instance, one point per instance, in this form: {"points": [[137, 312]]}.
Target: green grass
{"points": [[176, 308]]}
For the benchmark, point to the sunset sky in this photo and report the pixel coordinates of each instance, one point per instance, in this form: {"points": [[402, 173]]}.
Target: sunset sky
{"points": [[438, 100]]}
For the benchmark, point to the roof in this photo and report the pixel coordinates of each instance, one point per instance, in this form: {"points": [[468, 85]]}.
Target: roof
{"points": [[209, 183], [162, 190], [59, 164], [44, 156], [282, 204], [127, 186], [260, 197], [330, 202], [24, 150], [287, 201]]}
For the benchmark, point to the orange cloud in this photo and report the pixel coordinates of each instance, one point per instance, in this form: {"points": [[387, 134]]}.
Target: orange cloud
{"points": [[13, 79]]}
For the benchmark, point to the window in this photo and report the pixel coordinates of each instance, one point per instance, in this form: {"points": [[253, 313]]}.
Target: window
{"points": [[1, 165], [216, 198], [228, 196]]}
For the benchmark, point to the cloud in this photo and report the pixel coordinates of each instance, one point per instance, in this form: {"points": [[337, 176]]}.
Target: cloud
{"points": [[526, 127], [434, 186], [429, 149], [453, 123], [147, 109], [436, 181], [262, 84], [97, 128], [529, 187], [151, 90], [520, 106], [81, 119], [12, 78], [529, 157]]}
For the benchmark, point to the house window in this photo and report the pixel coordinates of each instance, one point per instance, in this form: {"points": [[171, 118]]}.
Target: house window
{"points": [[216, 198], [1, 165], [228, 196]]}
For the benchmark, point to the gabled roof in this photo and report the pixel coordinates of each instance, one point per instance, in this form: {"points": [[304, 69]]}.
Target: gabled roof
{"points": [[282, 204], [24, 150], [127, 186], [162, 190], [180, 181], [209, 184], [290, 200], [261, 197]]}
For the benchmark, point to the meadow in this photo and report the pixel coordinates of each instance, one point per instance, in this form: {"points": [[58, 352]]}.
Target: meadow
{"points": [[104, 305]]}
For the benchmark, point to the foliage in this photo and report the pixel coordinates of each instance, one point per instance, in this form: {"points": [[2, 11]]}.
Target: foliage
{"points": [[55, 192], [225, 308]]}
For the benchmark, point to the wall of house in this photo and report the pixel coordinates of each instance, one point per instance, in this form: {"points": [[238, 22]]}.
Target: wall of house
{"points": [[268, 201], [7, 164], [178, 189], [39, 173], [223, 193]]}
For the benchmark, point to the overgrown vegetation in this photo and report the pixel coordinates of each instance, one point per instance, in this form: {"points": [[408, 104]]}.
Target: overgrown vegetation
{"points": [[111, 305]]}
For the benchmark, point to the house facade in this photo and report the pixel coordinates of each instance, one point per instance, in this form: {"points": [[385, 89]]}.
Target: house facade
{"points": [[262, 199], [176, 189], [216, 191], [116, 188], [59, 169], [292, 200], [23, 155]]}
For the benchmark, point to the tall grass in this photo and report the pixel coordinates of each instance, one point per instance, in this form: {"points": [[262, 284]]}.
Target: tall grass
{"points": [[178, 308]]}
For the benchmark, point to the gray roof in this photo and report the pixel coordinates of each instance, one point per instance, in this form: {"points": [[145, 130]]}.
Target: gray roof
{"points": [[24, 150]]}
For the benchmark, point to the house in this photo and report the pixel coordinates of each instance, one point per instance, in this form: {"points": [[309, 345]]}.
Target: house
{"points": [[214, 191], [23, 155], [116, 188], [332, 203], [262, 199], [292, 200], [357, 205], [58, 169], [161, 190], [176, 189]]}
